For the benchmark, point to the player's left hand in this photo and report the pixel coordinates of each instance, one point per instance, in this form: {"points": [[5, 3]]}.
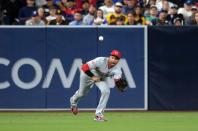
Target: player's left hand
{"points": [[121, 84]]}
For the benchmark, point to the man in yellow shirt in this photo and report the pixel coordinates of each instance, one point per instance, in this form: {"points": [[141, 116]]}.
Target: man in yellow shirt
{"points": [[113, 17]]}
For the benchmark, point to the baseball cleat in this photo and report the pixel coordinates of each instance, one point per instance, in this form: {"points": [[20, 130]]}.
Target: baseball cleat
{"points": [[74, 110], [100, 118]]}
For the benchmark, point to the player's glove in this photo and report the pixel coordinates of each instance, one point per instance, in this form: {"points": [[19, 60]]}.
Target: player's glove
{"points": [[121, 84]]}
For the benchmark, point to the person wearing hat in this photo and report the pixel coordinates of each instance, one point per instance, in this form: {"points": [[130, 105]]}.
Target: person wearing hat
{"points": [[35, 20], [97, 72], [194, 20], [113, 17], [186, 11], [172, 15], [193, 10]]}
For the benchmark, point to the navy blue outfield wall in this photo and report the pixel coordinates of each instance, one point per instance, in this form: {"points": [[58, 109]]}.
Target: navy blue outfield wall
{"points": [[173, 68], [39, 67]]}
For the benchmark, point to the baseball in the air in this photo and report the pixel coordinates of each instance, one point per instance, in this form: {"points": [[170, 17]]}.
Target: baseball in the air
{"points": [[101, 38]]}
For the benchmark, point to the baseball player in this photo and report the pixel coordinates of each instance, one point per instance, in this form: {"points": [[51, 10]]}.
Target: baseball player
{"points": [[96, 72]]}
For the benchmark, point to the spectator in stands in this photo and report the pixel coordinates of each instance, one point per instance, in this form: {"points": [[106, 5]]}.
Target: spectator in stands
{"points": [[124, 2], [150, 2], [68, 7], [139, 18], [147, 6], [93, 2], [172, 14], [161, 3], [186, 11], [119, 21], [59, 19], [62, 4], [99, 3], [9, 10], [85, 7], [179, 3], [77, 19], [50, 4], [112, 17], [35, 20], [88, 19], [40, 3], [26, 12], [166, 5], [108, 7], [162, 19], [193, 10], [178, 22], [153, 12], [22, 9], [141, 3], [52, 14], [99, 18], [194, 21], [79, 3], [41, 14], [131, 19], [129, 7]]}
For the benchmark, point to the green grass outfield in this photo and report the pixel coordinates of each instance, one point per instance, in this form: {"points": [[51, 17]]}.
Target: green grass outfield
{"points": [[117, 121]]}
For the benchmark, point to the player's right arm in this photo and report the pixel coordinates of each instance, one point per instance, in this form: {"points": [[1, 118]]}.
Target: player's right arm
{"points": [[87, 67]]}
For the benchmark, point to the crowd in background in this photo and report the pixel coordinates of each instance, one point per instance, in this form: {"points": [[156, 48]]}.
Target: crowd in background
{"points": [[99, 12]]}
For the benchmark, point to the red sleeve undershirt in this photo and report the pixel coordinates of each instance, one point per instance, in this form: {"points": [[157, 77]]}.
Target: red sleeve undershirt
{"points": [[85, 67]]}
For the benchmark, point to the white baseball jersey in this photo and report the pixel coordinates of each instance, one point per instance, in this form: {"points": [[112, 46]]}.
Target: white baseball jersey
{"points": [[99, 66]]}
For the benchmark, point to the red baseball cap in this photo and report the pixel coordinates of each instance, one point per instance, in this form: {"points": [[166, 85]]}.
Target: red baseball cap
{"points": [[116, 53]]}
